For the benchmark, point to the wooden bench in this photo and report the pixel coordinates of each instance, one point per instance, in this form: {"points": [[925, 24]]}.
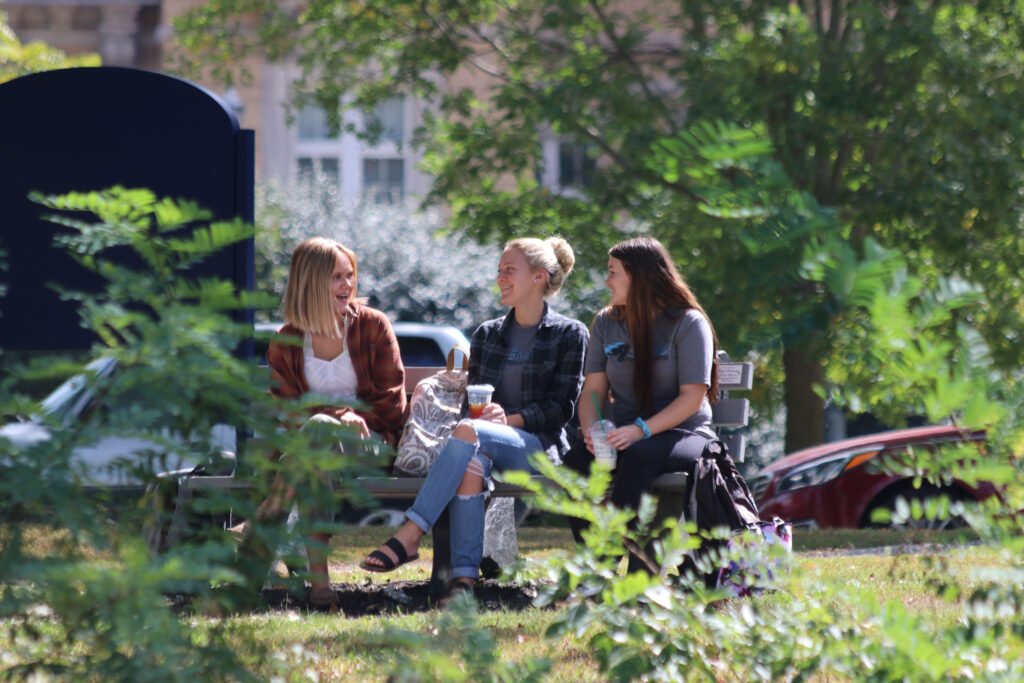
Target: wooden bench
{"points": [[729, 415]]}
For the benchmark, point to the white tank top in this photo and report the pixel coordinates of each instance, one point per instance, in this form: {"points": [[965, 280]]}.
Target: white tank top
{"points": [[335, 378]]}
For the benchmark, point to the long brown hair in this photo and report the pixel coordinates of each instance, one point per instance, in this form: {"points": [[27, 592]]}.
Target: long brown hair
{"points": [[654, 285]]}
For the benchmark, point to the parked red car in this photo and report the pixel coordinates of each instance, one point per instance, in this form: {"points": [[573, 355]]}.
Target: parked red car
{"points": [[838, 485]]}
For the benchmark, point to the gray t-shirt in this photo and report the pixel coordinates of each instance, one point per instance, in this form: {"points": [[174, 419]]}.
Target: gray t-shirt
{"points": [[509, 391], [683, 350]]}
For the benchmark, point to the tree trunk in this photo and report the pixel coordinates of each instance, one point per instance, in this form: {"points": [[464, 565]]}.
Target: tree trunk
{"points": [[805, 410]]}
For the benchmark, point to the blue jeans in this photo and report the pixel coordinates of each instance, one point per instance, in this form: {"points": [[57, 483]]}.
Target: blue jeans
{"points": [[501, 447]]}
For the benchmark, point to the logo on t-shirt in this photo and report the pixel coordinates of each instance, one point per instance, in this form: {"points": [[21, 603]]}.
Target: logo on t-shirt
{"points": [[518, 356], [621, 351]]}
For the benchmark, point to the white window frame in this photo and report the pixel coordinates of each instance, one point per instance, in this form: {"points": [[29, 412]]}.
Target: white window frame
{"points": [[351, 152], [551, 175]]}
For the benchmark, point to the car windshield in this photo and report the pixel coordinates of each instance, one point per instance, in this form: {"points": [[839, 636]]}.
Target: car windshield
{"points": [[63, 400]]}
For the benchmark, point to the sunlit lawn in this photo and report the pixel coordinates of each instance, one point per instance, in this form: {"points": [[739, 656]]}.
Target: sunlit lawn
{"points": [[339, 648], [335, 647]]}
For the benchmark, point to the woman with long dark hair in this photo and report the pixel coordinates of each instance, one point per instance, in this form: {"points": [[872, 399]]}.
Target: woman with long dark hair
{"points": [[654, 348]]}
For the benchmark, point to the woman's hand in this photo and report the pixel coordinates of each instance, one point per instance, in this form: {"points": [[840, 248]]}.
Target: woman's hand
{"points": [[622, 438], [493, 412], [352, 420], [588, 441]]}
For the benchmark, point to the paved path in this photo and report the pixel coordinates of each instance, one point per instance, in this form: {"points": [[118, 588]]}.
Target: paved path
{"points": [[882, 551]]}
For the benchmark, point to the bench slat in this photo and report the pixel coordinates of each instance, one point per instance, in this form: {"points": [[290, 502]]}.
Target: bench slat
{"points": [[731, 376], [730, 412], [413, 376]]}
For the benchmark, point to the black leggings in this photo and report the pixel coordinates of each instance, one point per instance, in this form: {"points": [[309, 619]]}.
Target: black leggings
{"points": [[675, 450]]}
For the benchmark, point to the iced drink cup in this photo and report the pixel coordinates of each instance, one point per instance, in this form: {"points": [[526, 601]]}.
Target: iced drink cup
{"points": [[479, 395], [604, 453]]}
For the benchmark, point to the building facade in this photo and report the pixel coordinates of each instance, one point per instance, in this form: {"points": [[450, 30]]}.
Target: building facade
{"points": [[292, 145]]}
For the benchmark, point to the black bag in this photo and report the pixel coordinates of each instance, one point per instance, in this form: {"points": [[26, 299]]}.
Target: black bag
{"points": [[718, 498]]}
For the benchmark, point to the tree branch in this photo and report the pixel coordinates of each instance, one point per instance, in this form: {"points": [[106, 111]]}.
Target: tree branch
{"points": [[622, 54]]}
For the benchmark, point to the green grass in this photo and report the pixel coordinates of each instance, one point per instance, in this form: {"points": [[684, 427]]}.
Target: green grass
{"points": [[846, 539], [333, 647], [351, 649]]}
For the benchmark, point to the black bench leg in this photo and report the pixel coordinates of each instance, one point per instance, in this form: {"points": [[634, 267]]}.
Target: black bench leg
{"points": [[442, 569]]}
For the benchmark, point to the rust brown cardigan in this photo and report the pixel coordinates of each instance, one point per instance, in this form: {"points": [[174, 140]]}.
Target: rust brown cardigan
{"points": [[380, 377]]}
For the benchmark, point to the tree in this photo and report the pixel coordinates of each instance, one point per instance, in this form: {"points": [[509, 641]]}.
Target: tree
{"points": [[176, 377], [93, 605], [891, 120], [405, 266], [19, 59]]}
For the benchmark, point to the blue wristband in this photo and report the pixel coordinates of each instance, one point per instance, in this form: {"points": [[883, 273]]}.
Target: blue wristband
{"points": [[639, 422]]}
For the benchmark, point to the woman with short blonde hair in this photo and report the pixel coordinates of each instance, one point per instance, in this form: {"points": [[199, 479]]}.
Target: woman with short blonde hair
{"points": [[307, 303], [333, 345]]}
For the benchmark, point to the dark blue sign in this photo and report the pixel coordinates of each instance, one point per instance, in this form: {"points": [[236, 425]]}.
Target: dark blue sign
{"points": [[90, 129]]}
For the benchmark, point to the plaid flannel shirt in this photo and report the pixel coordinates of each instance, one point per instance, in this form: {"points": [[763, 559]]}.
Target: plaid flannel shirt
{"points": [[551, 379]]}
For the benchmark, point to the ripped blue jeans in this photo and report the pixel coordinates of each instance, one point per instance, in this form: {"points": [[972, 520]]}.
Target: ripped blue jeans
{"points": [[498, 447]]}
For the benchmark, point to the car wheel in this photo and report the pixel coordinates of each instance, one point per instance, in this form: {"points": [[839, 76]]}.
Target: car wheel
{"points": [[890, 501], [383, 517]]}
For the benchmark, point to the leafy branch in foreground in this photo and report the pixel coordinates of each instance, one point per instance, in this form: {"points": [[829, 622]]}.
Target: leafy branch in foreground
{"points": [[169, 379], [668, 626]]}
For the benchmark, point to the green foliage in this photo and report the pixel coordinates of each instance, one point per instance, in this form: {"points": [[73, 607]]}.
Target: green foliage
{"points": [[19, 59], [667, 626], [884, 122], [173, 382], [905, 349]]}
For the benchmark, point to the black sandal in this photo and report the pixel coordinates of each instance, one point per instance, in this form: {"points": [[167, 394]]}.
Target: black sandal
{"points": [[387, 564]]}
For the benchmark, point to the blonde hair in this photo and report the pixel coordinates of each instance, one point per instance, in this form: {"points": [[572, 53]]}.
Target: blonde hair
{"points": [[552, 255], [308, 304]]}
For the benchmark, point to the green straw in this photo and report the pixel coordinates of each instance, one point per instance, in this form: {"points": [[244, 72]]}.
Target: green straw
{"points": [[599, 418]]}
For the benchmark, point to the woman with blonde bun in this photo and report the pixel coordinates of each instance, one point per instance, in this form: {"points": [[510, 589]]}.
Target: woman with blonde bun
{"points": [[534, 359]]}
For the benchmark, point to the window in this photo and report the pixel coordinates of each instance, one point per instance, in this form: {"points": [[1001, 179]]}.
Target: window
{"points": [[318, 154], [576, 164], [324, 169], [346, 164], [387, 118], [311, 124], [384, 180]]}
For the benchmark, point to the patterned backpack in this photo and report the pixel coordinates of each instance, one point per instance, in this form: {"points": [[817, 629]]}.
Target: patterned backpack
{"points": [[434, 410]]}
